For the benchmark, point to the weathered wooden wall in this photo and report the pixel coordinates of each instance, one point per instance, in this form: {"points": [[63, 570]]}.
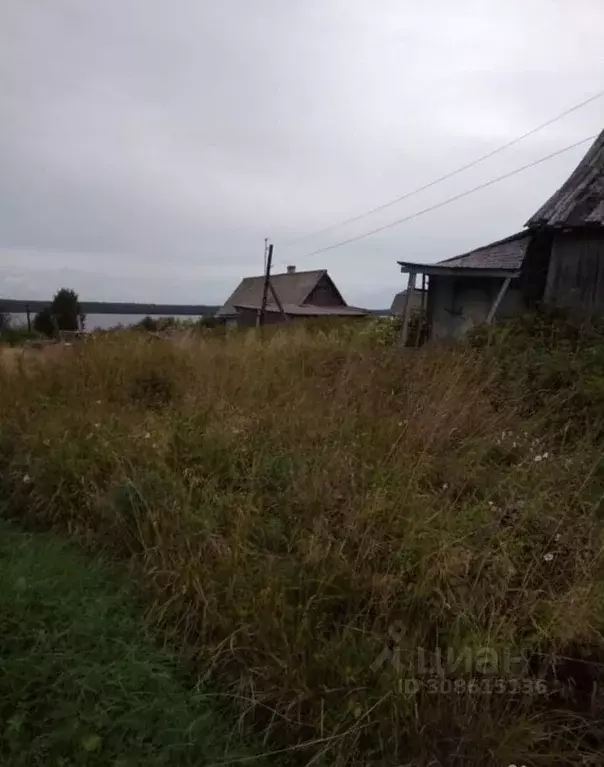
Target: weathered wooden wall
{"points": [[248, 317], [533, 276], [324, 294], [575, 278], [458, 304]]}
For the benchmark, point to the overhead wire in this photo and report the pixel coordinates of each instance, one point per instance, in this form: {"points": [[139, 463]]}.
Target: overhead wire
{"points": [[446, 176], [448, 201]]}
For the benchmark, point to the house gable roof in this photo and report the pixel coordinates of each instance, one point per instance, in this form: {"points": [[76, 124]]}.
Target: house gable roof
{"points": [[292, 288], [580, 200]]}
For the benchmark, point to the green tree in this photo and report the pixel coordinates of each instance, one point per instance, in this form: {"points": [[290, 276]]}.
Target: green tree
{"points": [[44, 323], [66, 309]]}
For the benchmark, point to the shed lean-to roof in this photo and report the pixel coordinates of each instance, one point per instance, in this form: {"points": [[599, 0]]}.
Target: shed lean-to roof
{"points": [[500, 258], [508, 253], [291, 287], [580, 200]]}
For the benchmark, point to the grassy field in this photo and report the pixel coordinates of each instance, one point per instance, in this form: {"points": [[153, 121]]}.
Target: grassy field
{"points": [[80, 681], [314, 516]]}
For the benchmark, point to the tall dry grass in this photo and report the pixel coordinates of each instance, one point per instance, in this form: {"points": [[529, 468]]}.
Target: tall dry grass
{"points": [[297, 506]]}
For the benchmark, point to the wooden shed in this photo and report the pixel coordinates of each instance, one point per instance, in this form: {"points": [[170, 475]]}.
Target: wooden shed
{"points": [[574, 220], [558, 259]]}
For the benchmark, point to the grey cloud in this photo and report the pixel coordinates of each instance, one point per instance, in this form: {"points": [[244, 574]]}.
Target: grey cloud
{"points": [[149, 147]]}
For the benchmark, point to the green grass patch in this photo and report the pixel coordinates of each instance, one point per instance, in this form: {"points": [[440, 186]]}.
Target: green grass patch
{"points": [[81, 680]]}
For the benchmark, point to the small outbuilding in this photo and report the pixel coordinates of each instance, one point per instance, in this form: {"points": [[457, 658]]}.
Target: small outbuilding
{"points": [[417, 300], [558, 259]]}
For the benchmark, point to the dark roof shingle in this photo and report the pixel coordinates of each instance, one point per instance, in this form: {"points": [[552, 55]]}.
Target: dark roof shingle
{"points": [[508, 253], [295, 310], [580, 200], [292, 288]]}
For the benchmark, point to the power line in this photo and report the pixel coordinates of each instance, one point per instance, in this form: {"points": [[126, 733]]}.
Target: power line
{"points": [[448, 200], [446, 176]]}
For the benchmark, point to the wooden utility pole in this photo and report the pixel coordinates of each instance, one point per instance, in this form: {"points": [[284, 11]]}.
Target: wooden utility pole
{"points": [[278, 301], [267, 277]]}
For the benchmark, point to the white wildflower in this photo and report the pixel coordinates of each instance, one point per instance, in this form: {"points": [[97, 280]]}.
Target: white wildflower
{"points": [[445, 485], [558, 536], [147, 435], [548, 557], [538, 458], [26, 479], [514, 444]]}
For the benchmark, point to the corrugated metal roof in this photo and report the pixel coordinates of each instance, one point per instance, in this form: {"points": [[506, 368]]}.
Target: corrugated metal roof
{"points": [[580, 200], [503, 254], [292, 288], [309, 311]]}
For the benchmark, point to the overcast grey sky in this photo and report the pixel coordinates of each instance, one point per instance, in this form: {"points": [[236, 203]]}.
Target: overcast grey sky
{"points": [[147, 147]]}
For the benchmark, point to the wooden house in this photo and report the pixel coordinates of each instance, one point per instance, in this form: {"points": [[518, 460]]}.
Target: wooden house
{"points": [[558, 259], [291, 295]]}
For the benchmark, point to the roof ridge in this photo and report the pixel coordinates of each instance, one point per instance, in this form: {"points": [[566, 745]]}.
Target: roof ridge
{"points": [[567, 200], [293, 287], [286, 274]]}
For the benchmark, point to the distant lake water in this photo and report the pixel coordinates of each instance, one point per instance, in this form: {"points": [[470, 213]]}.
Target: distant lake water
{"points": [[103, 321]]}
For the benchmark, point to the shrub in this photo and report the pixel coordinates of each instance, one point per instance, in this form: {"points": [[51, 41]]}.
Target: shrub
{"points": [[147, 323], [44, 323], [15, 335], [549, 359]]}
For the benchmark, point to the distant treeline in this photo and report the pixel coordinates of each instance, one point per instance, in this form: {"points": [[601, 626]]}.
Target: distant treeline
{"points": [[11, 306]]}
